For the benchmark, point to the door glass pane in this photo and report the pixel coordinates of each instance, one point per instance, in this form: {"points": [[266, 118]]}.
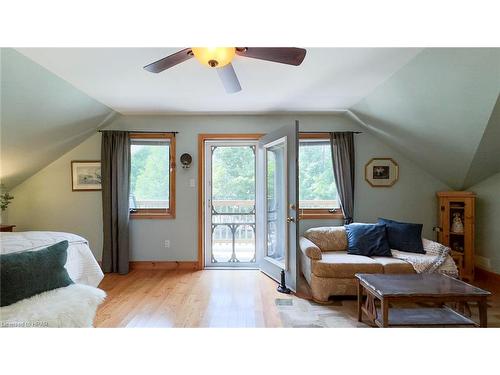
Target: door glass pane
{"points": [[456, 224], [276, 202], [233, 204]]}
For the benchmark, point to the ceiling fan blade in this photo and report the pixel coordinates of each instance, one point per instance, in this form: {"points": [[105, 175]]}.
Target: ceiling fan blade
{"points": [[229, 79], [283, 55], [169, 61]]}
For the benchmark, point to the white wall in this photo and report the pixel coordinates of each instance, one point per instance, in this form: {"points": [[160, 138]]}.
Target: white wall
{"points": [[488, 221], [46, 202]]}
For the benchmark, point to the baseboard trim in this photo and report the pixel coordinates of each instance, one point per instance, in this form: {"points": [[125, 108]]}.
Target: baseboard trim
{"points": [[163, 265], [489, 276]]}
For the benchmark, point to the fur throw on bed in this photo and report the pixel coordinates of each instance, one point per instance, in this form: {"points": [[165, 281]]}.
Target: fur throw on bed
{"points": [[72, 306]]}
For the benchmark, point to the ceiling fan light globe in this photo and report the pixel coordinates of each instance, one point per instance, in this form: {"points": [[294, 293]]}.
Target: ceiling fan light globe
{"points": [[214, 57]]}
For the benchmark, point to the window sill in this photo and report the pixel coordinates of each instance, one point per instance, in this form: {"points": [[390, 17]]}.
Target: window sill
{"points": [[315, 214], [148, 215]]}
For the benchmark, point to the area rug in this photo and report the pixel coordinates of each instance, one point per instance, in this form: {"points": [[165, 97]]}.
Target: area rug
{"points": [[302, 313]]}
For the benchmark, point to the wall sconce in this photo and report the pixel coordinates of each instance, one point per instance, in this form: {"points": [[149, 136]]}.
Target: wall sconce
{"points": [[186, 160]]}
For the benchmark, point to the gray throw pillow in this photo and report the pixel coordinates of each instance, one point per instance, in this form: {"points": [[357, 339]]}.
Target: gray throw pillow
{"points": [[27, 273]]}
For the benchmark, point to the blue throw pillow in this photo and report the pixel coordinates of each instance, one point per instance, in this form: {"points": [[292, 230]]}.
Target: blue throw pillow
{"points": [[27, 273], [367, 239], [404, 236]]}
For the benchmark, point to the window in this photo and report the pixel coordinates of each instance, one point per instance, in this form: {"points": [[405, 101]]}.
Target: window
{"points": [[152, 175], [317, 191]]}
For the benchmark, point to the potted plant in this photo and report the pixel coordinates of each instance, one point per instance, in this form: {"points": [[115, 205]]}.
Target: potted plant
{"points": [[5, 198]]}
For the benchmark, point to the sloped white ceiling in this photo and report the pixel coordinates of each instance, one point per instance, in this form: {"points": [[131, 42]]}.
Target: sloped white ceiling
{"points": [[438, 107], [42, 117], [328, 79], [436, 110]]}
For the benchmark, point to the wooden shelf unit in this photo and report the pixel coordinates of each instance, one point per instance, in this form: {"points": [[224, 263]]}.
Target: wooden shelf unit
{"points": [[462, 243]]}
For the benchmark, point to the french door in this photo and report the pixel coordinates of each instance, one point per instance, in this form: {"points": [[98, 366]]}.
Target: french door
{"points": [[230, 204], [277, 203], [251, 203]]}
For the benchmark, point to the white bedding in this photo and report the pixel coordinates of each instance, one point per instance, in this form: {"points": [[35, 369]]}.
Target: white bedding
{"points": [[81, 265]]}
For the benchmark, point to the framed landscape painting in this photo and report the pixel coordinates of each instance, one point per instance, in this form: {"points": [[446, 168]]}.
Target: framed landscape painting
{"points": [[86, 175], [381, 172]]}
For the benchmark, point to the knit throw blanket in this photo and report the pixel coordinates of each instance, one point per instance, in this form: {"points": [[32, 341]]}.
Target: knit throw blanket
{"points": [[436, 259]]}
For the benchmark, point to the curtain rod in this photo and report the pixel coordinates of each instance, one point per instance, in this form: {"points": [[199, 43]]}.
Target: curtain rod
{"points": [[140, 131], [172, 132], [326, 132]]}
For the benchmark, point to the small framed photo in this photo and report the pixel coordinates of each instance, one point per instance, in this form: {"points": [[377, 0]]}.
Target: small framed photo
{"points": [[381, 172], [86, 175]]}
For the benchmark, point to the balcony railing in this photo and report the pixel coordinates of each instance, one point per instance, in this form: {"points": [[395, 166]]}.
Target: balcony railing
{"points": [[233, 231]]}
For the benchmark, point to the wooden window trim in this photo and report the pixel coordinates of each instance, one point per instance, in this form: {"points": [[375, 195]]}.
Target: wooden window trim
{"points": [[159, 213], [319, 213]]}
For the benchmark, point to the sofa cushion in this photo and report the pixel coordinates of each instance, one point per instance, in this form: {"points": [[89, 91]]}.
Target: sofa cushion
{"points": [[339, 264], [328, 238], [404, 236], [394, 265], [367, 239]]}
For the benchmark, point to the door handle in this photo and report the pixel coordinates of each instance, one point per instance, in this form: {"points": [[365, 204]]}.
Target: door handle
{"points": [[290, 219]]}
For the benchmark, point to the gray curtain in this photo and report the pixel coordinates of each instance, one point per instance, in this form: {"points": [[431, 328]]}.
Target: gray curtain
{"points": [[342, 146], [115, 169]]}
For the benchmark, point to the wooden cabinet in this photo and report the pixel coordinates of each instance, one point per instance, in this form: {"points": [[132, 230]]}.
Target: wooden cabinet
{"points": [[456, 228], [7, 228]]}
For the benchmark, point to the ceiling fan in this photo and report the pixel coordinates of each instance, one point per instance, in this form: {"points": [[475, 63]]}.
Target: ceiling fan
{"points": [[220, 58]]}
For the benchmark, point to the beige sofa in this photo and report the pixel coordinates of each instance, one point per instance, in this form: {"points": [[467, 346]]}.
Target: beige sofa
{"points": [[328, 268]]}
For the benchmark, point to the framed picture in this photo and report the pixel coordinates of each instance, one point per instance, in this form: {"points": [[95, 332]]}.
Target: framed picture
{"points": [[381, 172], [86, 175]]}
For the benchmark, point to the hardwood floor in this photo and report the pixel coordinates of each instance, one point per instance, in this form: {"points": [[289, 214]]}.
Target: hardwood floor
{"points": [[182, 298], [210, 298]]}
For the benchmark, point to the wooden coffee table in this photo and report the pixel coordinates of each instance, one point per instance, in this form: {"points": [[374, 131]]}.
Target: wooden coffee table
{"points": [[436, 289]]}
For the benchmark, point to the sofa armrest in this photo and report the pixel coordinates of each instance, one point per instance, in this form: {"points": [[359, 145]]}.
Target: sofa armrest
{"points": [[309, 249]]}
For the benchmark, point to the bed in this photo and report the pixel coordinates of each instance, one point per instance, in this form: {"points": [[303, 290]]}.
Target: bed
{"points": [[81, 264]]}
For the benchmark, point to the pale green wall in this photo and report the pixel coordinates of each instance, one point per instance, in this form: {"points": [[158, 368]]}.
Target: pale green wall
{"points": [[411, 199], [45, 201], [436, 109], [488, 220], [486, 161], [42, 117], [4, 217]]}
